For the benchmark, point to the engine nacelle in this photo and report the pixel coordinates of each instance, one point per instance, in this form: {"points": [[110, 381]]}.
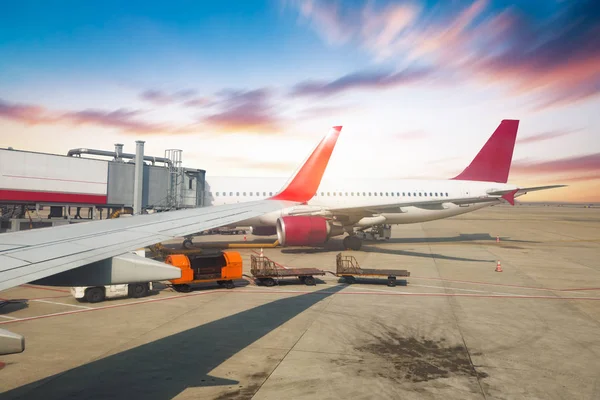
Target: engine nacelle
{"points": [[263, 230], [305, 230]]}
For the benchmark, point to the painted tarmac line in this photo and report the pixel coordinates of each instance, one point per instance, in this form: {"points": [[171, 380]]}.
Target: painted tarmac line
{"points": [[11, 318], [381, 293], [114, 306], [60, 304]]}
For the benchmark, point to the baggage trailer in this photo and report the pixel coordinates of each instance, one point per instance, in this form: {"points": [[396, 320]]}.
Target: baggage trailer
{"points": [[266, 271], [348, 268], [221, 267]]}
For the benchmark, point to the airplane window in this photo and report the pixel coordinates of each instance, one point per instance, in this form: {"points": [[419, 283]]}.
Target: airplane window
{"points": [[340, 193], [351, 193], [364, 194], [190, 184], [258, 193], [420, 194], [328, 194], [346, 194], [369, 194], [436, 194], [244, 193], [415, 194], [387, 193], [322, 194], [425, 194], [392, 193], [446, 194], [270, 193], [408, 194], [250, 193], [375, 193], [431, 194], [237, 193], [216, 193], [231, 193], [404, 194]]}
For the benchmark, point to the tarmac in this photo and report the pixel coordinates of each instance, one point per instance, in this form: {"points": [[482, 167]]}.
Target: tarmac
{"points": [[458, 330]]}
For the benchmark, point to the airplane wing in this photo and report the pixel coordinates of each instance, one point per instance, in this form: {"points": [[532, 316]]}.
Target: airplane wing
{"points": [[31, 255]]}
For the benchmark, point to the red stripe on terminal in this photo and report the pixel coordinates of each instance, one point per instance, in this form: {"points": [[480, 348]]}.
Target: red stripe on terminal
{"points": [[51, 197]]}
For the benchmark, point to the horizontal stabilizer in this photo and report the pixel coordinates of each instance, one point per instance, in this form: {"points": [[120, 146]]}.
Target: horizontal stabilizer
{"points": [[522, 191]]}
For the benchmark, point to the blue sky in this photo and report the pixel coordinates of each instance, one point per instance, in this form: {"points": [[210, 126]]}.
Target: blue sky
{"points": [[247, 88]]}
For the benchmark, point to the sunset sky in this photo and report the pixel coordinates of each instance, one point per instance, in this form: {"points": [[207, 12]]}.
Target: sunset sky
{"points": [[247, 88]]}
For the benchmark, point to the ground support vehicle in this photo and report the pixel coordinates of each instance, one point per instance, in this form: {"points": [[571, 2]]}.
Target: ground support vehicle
{"points": [[268, 272], [95, 294], [222, 267], [348, 268]]}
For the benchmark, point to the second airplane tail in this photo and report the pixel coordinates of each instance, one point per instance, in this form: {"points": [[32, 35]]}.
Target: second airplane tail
{"points": [[492, 163]]}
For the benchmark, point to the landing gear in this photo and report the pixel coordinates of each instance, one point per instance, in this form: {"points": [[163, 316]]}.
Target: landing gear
{"points": [[352, 242], [187, 243]]}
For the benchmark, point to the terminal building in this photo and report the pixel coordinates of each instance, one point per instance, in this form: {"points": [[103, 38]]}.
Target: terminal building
{"points": [[40, 190]]}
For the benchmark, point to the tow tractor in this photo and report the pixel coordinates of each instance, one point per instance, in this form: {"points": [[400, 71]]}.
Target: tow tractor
{"points": [[95, 294]]}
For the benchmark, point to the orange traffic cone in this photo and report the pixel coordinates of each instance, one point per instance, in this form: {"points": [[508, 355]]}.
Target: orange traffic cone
{"points": [[498, 267]]}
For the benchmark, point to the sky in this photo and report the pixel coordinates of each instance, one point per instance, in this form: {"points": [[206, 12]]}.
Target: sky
{"points": [[248, 88]]}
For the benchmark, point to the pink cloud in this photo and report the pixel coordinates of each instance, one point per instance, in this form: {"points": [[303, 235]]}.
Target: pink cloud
{"points": [[587, 164], [546, 136], [245, 111], [361, 80], [125, 120], [554, 57]]}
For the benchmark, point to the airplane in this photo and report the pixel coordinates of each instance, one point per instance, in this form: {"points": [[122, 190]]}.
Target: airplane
{"points": [[352, 205], [99, 253]]}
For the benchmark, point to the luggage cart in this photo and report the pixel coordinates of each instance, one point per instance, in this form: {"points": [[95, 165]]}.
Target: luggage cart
{"points": [[267, 272], [348, 268]]}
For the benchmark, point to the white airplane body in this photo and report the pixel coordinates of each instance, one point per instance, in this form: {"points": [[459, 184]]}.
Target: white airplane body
{"points": [[350, 205]]}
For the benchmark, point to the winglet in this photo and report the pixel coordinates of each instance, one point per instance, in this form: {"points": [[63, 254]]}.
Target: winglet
{"points": [[306, 181], [510, 197], [492, 163]]}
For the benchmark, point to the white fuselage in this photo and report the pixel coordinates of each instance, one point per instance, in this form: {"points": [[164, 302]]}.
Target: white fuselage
{"points": [[356, 193]]}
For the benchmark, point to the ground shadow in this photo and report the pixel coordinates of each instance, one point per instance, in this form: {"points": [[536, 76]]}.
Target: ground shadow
{"points": [[164, 368], [337, 247], [463, 237], [9, 306]]}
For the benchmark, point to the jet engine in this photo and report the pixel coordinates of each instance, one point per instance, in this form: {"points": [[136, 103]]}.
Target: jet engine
{"points": [[263, 230], [305, 230]]}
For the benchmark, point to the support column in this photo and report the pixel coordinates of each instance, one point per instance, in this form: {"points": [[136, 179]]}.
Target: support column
{"points": [[138, 180]]}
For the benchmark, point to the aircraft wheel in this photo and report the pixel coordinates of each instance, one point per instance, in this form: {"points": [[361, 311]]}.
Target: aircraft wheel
{"points": [[187, 244], [350, 280], [95, 295], [391, 281], [345, 242], [354, 242]]}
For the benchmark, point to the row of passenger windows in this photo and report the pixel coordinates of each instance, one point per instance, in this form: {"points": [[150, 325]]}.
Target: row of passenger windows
{"points": [[364, 194]]}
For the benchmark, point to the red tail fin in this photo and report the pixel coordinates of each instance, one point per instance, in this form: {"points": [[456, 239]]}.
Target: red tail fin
{"points": [[306, 181], [492, 163]]}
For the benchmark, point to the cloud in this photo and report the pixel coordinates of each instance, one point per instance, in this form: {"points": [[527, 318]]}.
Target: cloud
{"points": [[360, 80], [540, 137], [123, 119], [551, 53], [587, 164], [244, 111], [187, 96]]}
